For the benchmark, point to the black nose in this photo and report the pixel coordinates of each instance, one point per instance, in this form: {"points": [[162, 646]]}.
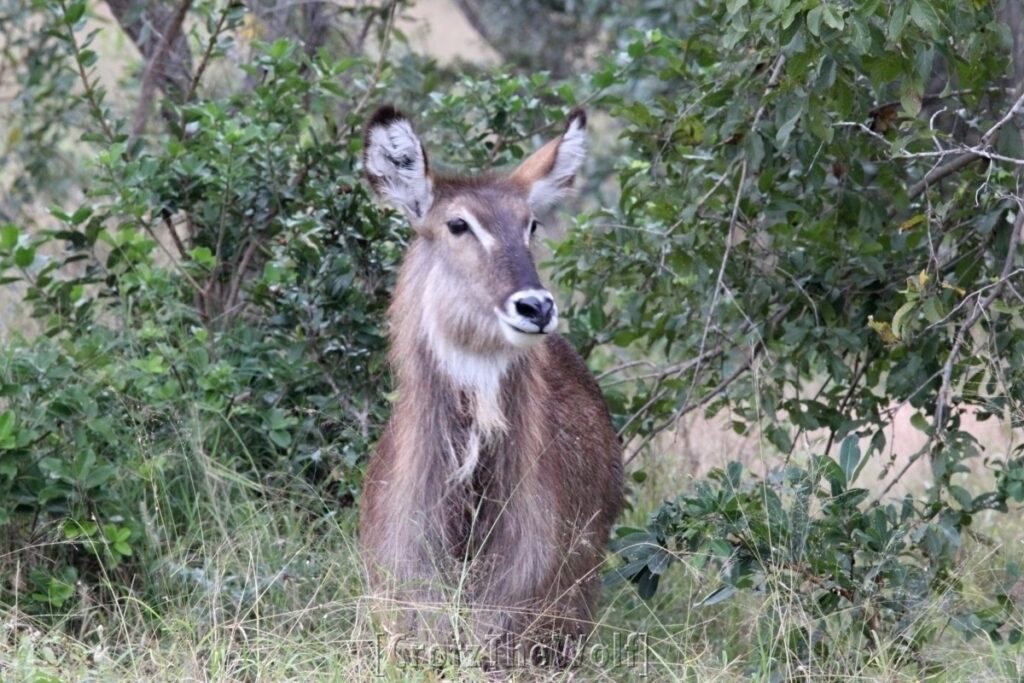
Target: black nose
{"points": [[536, 309]]}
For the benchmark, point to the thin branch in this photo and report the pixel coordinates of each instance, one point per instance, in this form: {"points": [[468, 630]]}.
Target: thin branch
{"points": [[178, 244], [384, 45], [156, 66], [773, 82], [967, 158], [973, 295], [502, 143], [90, 93], [211, 44], [144, 23], [942, 401], [721, 270], [685, 409], [941, 412], [939, 172], [625, 366], [986, 139], [659, 393], [230, 304], [148, 227], [666, 372], [363, 33], [859, 372]]}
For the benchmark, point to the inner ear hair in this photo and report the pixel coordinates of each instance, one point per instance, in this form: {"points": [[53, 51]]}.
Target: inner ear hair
{"points": [[396, 163], [548, 173]]}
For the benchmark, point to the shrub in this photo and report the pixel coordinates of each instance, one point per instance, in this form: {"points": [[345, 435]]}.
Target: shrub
{"points": [[221, 290], [819, 222]]}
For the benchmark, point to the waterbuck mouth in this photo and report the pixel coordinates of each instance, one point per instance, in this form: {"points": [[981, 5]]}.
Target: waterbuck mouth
{"points": [[527, 316], [521, 332]]}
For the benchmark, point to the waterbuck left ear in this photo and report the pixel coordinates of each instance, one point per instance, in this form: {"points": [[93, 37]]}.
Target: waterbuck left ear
{"points": [[549, 172], [396, 164]]}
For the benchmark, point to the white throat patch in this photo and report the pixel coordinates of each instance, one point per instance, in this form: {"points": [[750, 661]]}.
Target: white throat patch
{"points": [[480, 377]]}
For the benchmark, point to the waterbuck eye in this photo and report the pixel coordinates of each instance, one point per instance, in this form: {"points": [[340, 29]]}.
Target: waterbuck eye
{"points": [[457, 226], [533, 226]]}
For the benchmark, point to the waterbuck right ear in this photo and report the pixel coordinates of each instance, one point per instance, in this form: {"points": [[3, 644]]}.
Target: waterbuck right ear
{"points": [[548, 173], [396, 164]]}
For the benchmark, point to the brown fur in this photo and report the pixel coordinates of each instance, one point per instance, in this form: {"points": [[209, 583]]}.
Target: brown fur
{"points": [[519, 541]]}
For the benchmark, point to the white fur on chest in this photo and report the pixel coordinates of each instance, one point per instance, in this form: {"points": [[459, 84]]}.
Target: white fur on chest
{"points": [[480, 377]]}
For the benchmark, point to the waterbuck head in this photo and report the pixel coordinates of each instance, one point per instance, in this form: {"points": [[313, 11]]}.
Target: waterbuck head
{"points": [[471, 261]]}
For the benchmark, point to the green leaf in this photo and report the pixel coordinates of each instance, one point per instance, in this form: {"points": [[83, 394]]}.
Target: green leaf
{"points": [[80, 215], [832, 16], [719, 595], [898, 21], [962, 496], [75, 529], [647, 585], [282, 439], [901, 319], [279, 49], [721, 548], [911, 102], [8, 236], [814, 18], [779, 437], [24, 256], [794, 110], [75, 11], [88, 58], [860, 37], [7, 429], [203, 256], [99, 476], [734, 6], [849, 457], [1009, 142], [923, 14]]}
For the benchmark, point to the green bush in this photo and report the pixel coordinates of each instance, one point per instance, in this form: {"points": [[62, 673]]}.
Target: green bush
{"points": [[222, 290], [790, 250], [799, 217]]}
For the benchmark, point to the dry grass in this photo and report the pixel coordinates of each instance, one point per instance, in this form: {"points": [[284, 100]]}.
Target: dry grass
{"points": [[266, 587]]}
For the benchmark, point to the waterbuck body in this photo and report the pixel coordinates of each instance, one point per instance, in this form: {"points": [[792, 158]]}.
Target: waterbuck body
{"points": [[499, 475]]}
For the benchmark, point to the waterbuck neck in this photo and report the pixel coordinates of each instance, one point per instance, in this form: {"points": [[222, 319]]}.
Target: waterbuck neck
{"points": [[461, 394]]}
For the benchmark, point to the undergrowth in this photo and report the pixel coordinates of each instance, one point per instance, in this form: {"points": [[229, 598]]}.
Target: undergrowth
{"points": [[266, 586]]}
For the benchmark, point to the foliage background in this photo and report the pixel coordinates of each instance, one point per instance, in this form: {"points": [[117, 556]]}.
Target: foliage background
{"points": [[797, 240]]}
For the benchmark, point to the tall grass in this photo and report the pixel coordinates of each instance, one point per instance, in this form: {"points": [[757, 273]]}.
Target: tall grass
{"points": [[267, 584]]}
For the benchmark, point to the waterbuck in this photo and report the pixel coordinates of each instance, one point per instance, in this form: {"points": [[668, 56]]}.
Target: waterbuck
{"points": [[499, 475]]}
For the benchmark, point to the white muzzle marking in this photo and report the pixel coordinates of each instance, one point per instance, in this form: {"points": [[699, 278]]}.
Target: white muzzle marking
{"points": [[523, 331]]}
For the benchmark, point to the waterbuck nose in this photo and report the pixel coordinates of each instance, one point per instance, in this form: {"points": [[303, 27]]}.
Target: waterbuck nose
{"points": [[536, 308]]}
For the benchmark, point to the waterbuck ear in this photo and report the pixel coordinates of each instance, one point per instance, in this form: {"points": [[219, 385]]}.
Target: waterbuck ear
{"points": [[549, 172], [396, 164]]}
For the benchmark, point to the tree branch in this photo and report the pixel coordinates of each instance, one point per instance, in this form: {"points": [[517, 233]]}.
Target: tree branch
{"points": [[145, 23], [685, 409], [942, 402], [211, 43], [155, 67], [384, 45], [965, 159], [939, 172]]}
